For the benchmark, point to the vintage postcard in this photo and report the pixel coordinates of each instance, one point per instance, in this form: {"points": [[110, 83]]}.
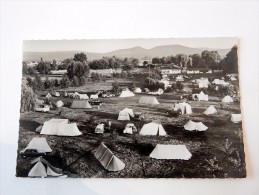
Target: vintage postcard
{"points": [[131, 108]]}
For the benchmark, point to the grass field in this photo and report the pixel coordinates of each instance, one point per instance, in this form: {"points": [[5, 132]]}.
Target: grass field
{"points": [[218, 152]]}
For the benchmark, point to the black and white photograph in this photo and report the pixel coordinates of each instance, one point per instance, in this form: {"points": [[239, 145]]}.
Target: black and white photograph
{"points": [[131, 108]]}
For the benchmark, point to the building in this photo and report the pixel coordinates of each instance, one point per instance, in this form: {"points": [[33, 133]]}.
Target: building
{"points": [[170, 70], [198, 71]]}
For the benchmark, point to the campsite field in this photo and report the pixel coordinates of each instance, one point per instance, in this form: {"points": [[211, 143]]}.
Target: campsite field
{"points": [[216, 153]]}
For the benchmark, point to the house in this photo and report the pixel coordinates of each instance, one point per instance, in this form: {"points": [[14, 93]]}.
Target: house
{"points": [[203, 82], [198, 70], [170, 69]]}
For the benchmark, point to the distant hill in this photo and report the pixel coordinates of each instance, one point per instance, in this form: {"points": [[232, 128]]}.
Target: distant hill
{"points": [[136, 52]]}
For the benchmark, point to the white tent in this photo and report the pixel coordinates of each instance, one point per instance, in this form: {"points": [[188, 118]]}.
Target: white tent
{"points": [[130, 127], [59, 104], [83, 97], [99, 128], [55, 93], [137, 90], [227, 99], [60, 127], [127, 93], [108, 160], [148, 100], [80, 104], [43, 168], [93, 96], [210, 110], [236, 118], [153, 128], [201, 96], [40, 144], [125, 114], [193, 126], [219, 82], [162, 151], [48, 96], [184, 107]]}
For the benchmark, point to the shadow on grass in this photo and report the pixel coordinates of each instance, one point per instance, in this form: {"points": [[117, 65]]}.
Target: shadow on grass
{"points": [[29, 125]]}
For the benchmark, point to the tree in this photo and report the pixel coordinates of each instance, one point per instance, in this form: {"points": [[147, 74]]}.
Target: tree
{"points": [[47, 83], [37, 84], [182, 60], [75, 81], [145, 63], [211, 59], [65, 63], [54, 65], [116, 88], [135, 62], [124, 74], [29, 81], [197, 61], [131, 86], [31, 71], [155, 60], [28, 98], [43, 67], [24, 68], [80, 57], [64, 82], [230, 62]]}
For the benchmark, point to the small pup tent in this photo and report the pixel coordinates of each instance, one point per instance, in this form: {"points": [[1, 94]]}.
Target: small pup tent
{"points": [[236, 118], [59, 104], [127, 93], [148, 100], [184, 107], [93, 96], [39, 102], [162, 151], [125, 114], [48, 95], [60, 127], [153, 128], [43, 168], [210, 110], [80, 104], [40, 144], [108, 160], [137, 90], [227, 99], [99, 128], [130, 128], [83, 96], [193, 126]]}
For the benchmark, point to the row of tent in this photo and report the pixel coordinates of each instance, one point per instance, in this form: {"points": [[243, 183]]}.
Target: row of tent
{"points": [[109, 161]]}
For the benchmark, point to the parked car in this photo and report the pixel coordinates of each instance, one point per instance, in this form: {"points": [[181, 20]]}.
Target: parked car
{"points": [[33, 153], [95, 102], [42, 108]]}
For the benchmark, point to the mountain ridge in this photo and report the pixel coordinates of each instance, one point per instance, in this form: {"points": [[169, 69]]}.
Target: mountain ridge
{"points": [[136, 52]]}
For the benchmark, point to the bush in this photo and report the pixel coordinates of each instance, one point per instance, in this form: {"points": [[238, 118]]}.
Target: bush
{"points": [[64, 82], [37, 83], [28, 99], [116, 88]]}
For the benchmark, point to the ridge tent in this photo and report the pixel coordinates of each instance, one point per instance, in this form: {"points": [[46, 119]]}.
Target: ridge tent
{"points": [[210, 110], [125, 114], [127, 93], [48, 95], [83, 96], [153, 128], [130, 128], [80, 104], [184, 107], [193, 126], [43, 168], [93, 96], [99, 128], [236, 118], [227, 99], [201, 96], [137, 90], [162, 151], [40, 144], [40, 102], [108, 160], [59, 104], [148, 100], [60, 127]]}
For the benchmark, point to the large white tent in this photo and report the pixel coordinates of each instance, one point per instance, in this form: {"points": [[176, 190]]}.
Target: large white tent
{"points": [[126, 93], [148, 100], [125, 114], [60, 127], [137, 90], [162, 151], [236, 118], [40, 144], [108, 160], [153, 128], [195, 126], [184, 107], [210, 110], [80, 104], [227, 99], [201, 96]]}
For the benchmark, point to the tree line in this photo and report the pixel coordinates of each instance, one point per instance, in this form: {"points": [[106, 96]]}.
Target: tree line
{"points": [[207, 59]]}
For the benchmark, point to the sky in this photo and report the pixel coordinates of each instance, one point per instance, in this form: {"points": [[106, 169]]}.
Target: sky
{"points": [[108, 45]]}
